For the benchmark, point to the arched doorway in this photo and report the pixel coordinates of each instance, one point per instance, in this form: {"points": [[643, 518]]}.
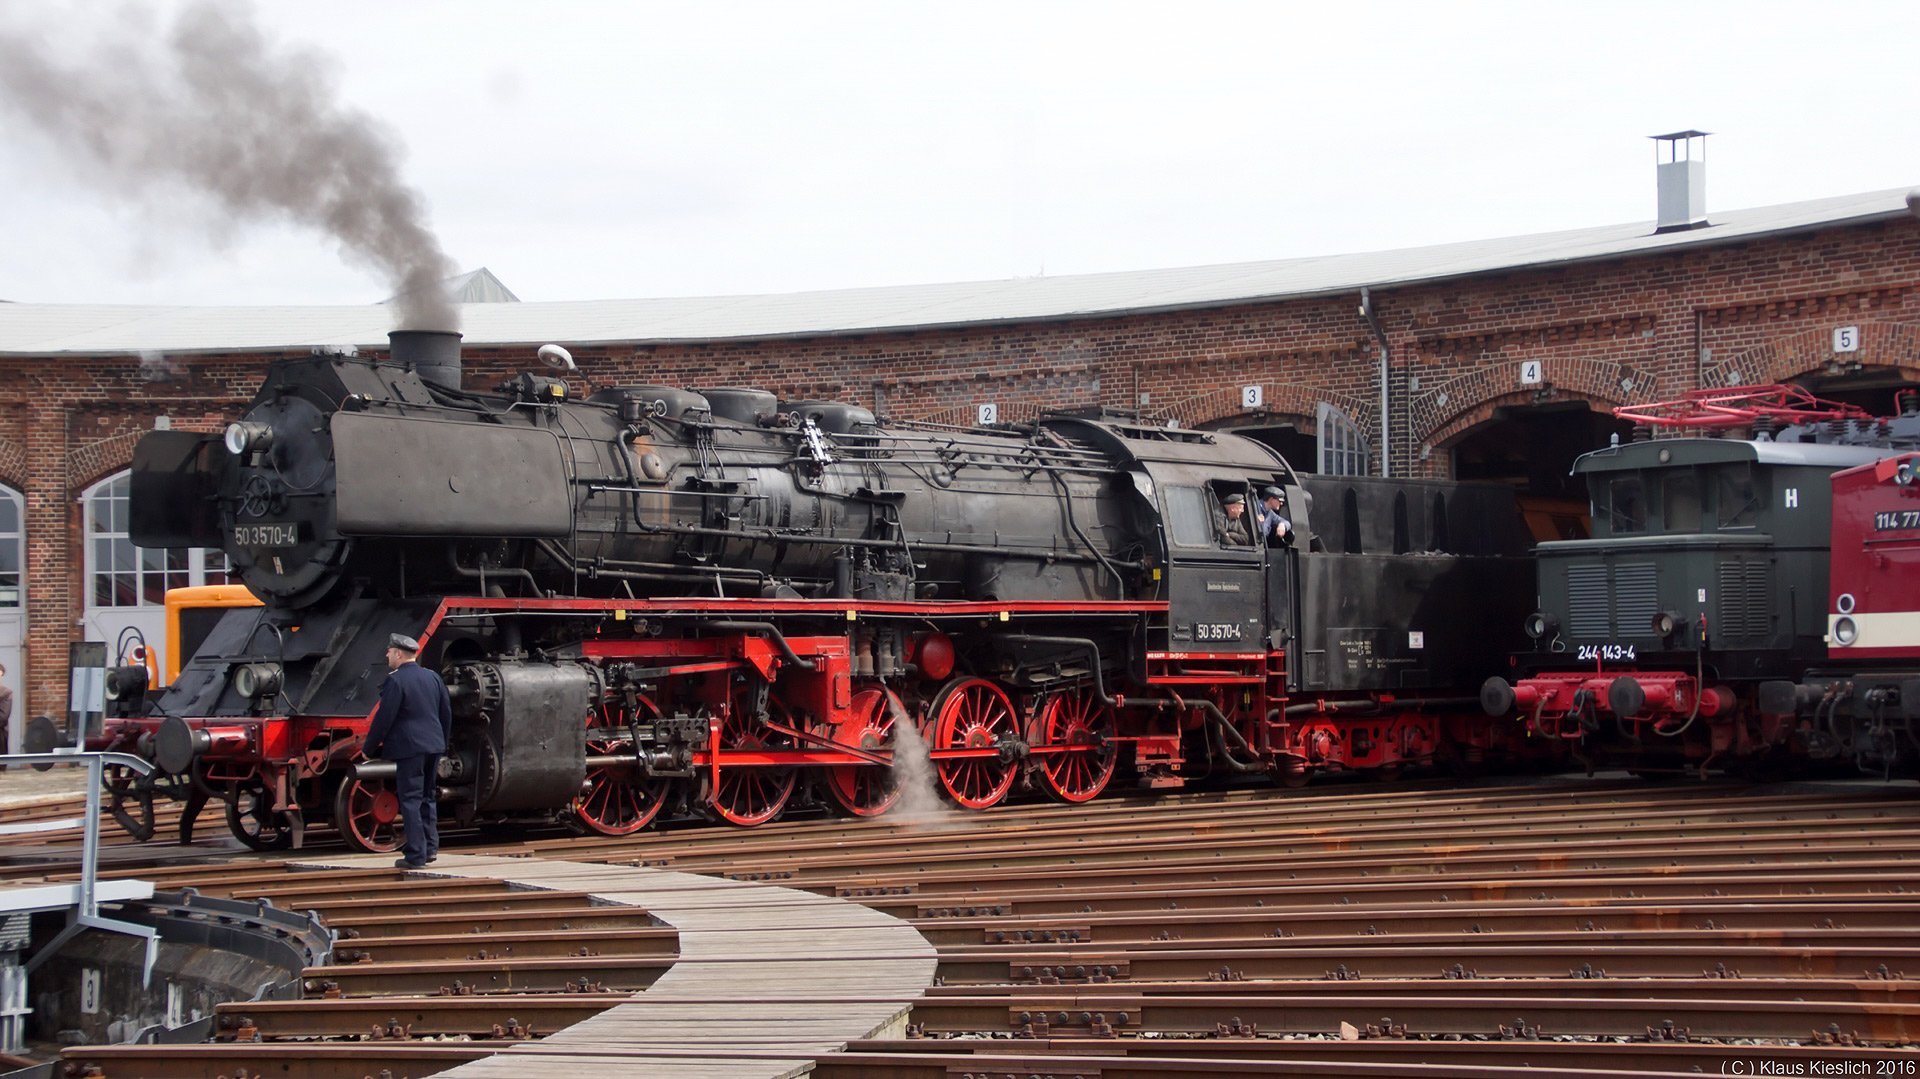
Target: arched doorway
{"points": [[1292, 437], [127, 585], [13, 608], [1533, 448], [1880, 390], [1330, 442]]}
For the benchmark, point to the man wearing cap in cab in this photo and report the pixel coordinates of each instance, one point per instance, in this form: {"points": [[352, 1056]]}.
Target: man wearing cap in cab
{"points": [[412, 728], [1275, 528], [1233, 533]]}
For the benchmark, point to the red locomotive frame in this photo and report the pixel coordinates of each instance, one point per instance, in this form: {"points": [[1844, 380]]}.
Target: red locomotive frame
{"points": [[834, 722]]}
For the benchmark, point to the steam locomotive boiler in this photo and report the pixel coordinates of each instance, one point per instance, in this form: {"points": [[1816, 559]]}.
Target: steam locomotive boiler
{"points": [[720, 601]]}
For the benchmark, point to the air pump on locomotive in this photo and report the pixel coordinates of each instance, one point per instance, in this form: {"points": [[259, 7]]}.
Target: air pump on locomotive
{"points": [[721, 602]]}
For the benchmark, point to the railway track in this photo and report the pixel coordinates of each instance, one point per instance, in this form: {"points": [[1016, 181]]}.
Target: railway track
{"points": [[1559, 928]]}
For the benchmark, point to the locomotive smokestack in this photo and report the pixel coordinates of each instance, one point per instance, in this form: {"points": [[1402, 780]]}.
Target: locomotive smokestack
{"points": [[433, 354]]}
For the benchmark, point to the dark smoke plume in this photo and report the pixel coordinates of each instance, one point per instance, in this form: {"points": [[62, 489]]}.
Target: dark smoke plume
{"points": [[208, 103]]}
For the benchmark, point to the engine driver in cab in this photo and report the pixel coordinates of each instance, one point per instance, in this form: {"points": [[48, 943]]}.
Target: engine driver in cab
{"points": [[1233, 532]]}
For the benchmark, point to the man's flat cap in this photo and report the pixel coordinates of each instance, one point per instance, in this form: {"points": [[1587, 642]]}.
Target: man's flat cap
{"points": [[1273, 492], [403, 642], [1233, 500]]}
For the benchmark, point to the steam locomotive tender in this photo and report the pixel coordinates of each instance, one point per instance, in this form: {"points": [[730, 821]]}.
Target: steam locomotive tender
{"points": [[712, 600], [1716, 616]]}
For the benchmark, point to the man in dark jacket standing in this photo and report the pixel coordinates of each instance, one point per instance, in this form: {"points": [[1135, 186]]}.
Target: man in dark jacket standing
{"points": [[412, 729]]}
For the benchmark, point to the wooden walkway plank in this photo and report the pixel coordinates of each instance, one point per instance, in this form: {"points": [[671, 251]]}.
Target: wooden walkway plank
{"points": [[768, 978], [534, 1065]]}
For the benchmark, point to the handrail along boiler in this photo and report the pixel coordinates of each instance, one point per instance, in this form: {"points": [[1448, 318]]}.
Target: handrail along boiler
{"points": [[721, 602]]}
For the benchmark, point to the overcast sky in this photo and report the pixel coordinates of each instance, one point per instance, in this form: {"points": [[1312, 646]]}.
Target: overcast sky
{"points": [[586, 151]]}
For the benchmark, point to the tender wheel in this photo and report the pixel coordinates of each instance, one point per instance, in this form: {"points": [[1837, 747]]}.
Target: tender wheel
{"points": [[752, 794], [1292, 773], [253, 821], [1078, 720], [975, 714], [867, 790], [620, 798], [367, 812], [130, 801]]}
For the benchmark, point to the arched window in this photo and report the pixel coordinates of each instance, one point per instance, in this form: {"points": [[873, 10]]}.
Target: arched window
{"points": [[127, 585], [12, 588], [13, 609], [1343, 449]]}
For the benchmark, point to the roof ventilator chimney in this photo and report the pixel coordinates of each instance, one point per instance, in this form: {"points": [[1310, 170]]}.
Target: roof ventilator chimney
{"points": [[1683, 181]]}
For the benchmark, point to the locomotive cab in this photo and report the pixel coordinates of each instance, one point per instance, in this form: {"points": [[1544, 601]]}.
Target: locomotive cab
{"points": [[1699, 545]]}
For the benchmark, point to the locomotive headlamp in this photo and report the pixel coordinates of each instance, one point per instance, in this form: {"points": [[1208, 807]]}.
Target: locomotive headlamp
{"points": [[1665, 623], [1845, 632], [257, 679], [125, 683], [1541, 624], [247, 436]]}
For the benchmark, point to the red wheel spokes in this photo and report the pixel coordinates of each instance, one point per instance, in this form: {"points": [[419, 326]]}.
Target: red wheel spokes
{"points": [[368, 816], [1083, 723], [748, 795], [974, 714], [866, 790], [619, 799]]}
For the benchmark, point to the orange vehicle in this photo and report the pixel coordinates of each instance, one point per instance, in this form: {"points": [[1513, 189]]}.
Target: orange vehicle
{"points": [[191, 613]]}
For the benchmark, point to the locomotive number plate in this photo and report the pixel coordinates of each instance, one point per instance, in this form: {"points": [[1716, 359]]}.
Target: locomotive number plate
{"points": [[259, 536], [1216, 631], [1612, 653], [1896, 520]]}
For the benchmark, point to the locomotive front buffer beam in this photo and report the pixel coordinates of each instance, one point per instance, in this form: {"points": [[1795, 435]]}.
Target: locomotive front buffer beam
{"points": [[1569, 704]]}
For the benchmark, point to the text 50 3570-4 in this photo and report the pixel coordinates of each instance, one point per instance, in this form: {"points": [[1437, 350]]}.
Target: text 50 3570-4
{"points": [[273, 535]]}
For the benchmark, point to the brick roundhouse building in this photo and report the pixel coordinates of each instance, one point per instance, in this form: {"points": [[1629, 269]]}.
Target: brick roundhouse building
{"points": [[1503, 357]]}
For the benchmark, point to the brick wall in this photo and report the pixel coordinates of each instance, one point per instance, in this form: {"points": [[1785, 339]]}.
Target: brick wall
{"points": [[1625, 331]]}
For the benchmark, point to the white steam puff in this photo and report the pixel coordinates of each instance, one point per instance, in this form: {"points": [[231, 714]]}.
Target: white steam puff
{"points": [[206, 102], [920, 802]]}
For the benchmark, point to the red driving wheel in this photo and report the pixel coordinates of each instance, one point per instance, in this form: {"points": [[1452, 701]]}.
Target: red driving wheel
{"points": [[750, 794], [975, 714], [620, 798], [1081, 723], [867, 790]]}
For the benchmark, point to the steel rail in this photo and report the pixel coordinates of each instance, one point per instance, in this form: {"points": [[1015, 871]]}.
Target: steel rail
{"points": [[1583, 921], [1424, 1013]]}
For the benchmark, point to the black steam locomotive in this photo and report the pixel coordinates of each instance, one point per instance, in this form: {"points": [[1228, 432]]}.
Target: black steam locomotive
{"points": [[722, 602]]}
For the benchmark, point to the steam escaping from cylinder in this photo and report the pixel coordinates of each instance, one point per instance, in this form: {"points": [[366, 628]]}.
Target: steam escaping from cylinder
{"points": [[920, 802], [209, 105]]}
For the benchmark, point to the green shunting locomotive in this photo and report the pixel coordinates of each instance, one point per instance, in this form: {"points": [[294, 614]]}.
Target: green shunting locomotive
{"points": [[1674, 638]]}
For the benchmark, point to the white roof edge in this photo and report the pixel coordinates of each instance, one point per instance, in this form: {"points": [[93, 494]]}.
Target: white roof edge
{"points": [[82, 330], [58, 896]]}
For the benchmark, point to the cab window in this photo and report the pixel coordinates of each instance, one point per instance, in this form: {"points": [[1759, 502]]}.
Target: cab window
{"points": [[1626, 506], [1680, 502], [1190, 515], [1735, 502]]}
